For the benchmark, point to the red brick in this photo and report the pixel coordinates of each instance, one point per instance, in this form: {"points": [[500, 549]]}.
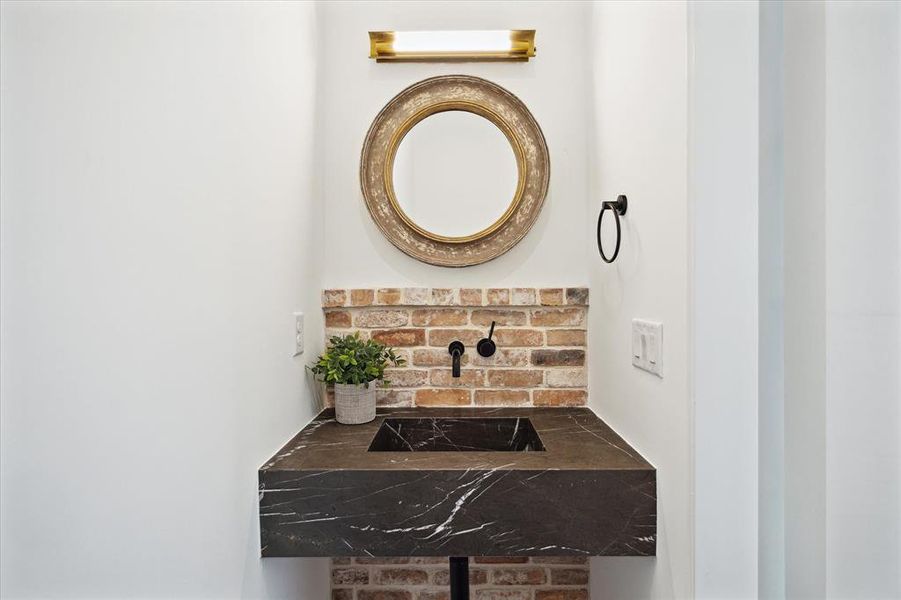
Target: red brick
{"points": [[388, 296], [400, 337], [401, 577], [439, 317], [434, 595], [558, 358], [442, 296], [404, 378], [524, 297], [519, 337], [504, 357], [569, 576], [392, 397], [343, 594], [405, 354], [416, 296], [435, 357], [349, 576], [518, 576], [381, 318], [330, 331], [560, 398], [443, 337], [337, 318], [362, 297], [498, 296], [332, 298], [566, 337], [476, 577], [467, 378], [557, 317], [577, 296], [577, 377], [550, 296], [521, 378], [501, 317], [471, 296], [501, 397], [443, 397]]}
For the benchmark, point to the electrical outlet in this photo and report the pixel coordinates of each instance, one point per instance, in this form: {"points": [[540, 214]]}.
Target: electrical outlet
{"points": [[647, 346], [298, 333]]}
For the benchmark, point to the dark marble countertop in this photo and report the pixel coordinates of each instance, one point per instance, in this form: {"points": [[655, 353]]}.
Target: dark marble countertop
{"points": [[325, 494], [574, 438]]}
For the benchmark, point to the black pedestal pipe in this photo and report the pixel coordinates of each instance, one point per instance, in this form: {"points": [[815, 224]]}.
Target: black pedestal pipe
{"points": [[459, 578]]}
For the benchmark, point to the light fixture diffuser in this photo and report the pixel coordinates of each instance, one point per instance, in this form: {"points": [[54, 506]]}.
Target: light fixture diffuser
{"points": [[399, 46]]}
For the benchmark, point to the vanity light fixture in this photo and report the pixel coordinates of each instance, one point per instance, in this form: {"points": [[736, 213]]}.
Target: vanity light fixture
{"points": [[457, 46]]}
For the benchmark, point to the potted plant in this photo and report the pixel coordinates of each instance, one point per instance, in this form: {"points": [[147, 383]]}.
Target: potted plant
{"points": [[353, 365]]}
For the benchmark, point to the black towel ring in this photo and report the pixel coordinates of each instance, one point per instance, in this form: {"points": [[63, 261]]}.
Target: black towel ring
{"points": [[618, 207]]}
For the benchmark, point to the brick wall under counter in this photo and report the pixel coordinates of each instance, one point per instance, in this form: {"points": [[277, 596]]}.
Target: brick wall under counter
{"points": [[541, 338], [500, 578]]}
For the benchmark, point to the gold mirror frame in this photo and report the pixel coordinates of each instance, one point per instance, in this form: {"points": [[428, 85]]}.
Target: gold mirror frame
{"points": [[439, 94]]}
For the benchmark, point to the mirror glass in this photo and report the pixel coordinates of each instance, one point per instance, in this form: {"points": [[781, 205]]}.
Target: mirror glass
{"points": [[455, 173]]}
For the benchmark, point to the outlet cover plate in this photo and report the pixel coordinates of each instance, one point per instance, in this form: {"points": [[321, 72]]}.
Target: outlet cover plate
{"points": [[647, 346], [298, 334]]}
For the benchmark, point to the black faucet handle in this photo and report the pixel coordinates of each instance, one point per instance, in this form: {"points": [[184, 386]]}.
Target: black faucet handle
{"points": [[456, 350], [486, 346]]}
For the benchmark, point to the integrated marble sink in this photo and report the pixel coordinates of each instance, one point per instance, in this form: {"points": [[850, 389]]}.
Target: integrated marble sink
{"points": [[459, 482], [499, 434]]}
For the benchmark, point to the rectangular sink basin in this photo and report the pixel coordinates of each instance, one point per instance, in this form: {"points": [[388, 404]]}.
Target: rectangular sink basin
{"points": [[503, 434]]}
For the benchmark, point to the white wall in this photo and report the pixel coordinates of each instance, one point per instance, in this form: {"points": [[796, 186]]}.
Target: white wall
{"points": [[640, 95], [676, 105], [723, 188], [842, 299], [352, 89], [805, 272], [771, 293], [862, 300], [158, 230]]}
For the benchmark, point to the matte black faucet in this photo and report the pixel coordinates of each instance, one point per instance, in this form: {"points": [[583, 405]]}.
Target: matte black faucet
{"points": [[486, 346], [456, 350]]}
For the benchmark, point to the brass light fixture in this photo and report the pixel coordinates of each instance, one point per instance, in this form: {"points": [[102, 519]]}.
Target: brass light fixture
{"points": [[456, 46]]}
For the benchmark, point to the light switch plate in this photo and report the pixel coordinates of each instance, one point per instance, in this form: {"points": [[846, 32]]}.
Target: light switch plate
{"points": [[298, 334], [647, 346]]}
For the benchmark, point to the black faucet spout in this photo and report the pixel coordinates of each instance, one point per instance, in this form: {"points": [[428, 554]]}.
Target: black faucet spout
{"points": [[456, 350]]}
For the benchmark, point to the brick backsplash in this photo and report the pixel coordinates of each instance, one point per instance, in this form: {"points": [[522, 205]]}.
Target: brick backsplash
{"points": [[540, 334], [540, 361], [490, 578]]}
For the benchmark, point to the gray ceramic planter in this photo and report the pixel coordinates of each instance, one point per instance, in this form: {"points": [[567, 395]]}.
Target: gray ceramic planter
{"points": [[354, 404]]}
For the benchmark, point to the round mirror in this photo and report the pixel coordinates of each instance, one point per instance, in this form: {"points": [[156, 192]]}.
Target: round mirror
{"points": [[454, 170], [455, 175]]}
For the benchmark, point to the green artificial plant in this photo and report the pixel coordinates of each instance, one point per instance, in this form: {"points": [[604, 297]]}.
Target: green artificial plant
{"points": [[352, 360]]}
